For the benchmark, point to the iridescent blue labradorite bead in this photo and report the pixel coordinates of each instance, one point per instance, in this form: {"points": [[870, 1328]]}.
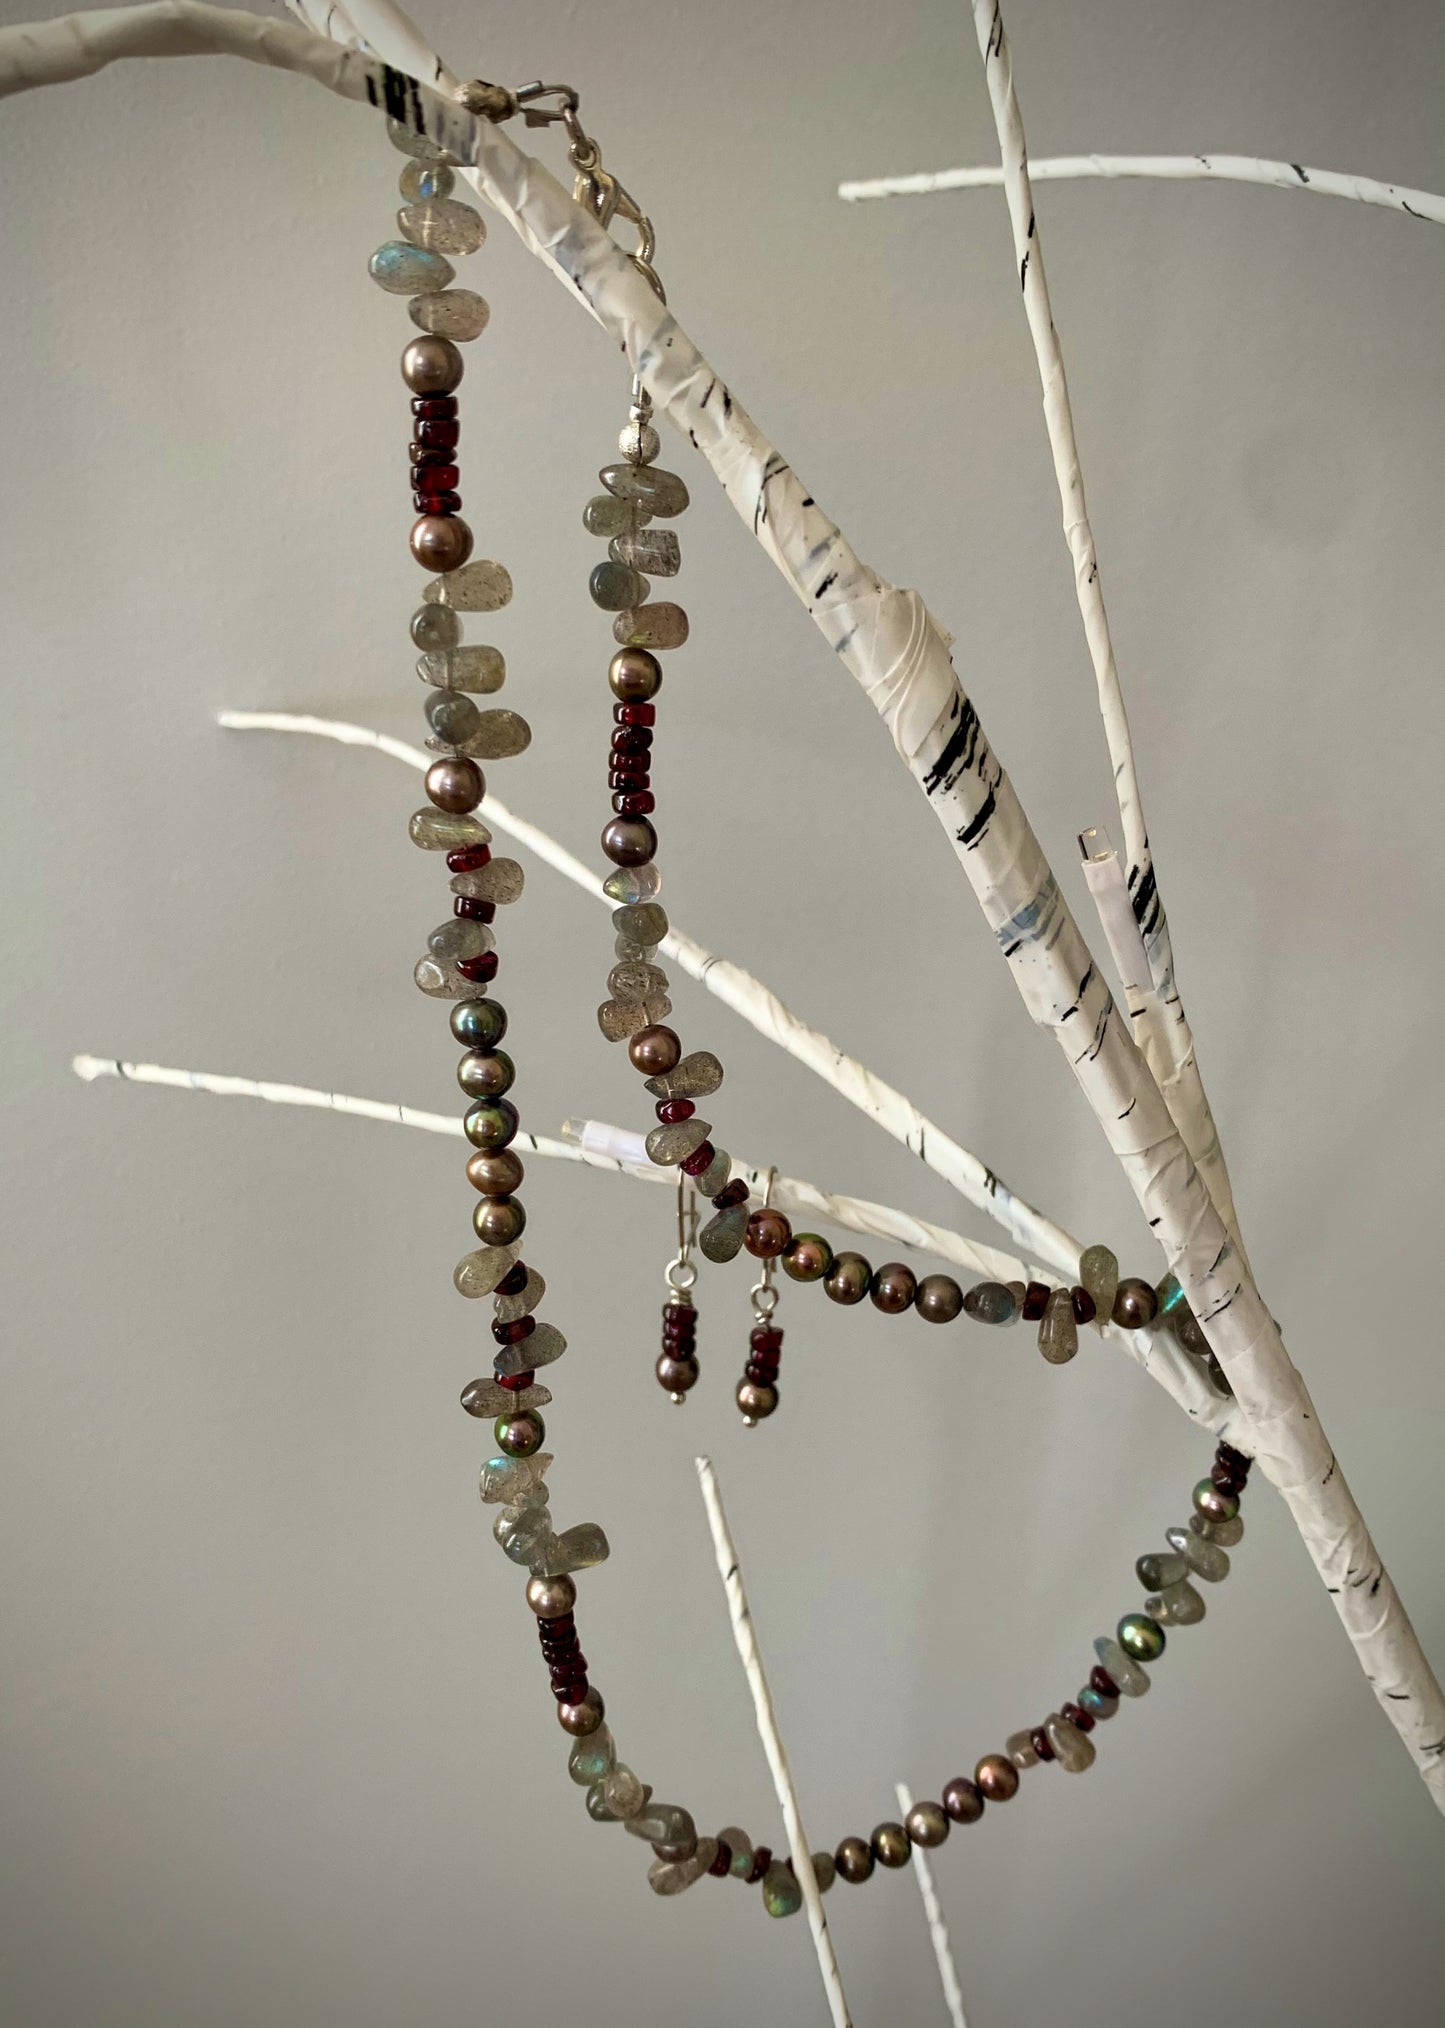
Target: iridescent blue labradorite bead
{"points": [[1096, 1703], [1141, 1637], [781, 1893], [1169, 1295], [990, 1303]]}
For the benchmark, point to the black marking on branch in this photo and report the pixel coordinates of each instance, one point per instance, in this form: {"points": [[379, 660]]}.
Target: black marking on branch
{"points": [[1398, 1696], [1414, 214], [1069, 1012], [958, 753], [1128, 1108], [1299, 172], [973, 830], [1024, 268], [830, 579], [1334, 1461]]}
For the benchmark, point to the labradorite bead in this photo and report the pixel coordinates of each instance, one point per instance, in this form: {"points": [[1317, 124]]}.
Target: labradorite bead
{"points": [[624, 1793], [1205, 1559], [633, 883], [1097, 1703], [807, 1257], [452, 716], [491, 1125], [479, 1023], [890, 1845], [606, 515], [1058, 1332], [1073, 1749], [1141, 1637], [1099, 1274], [714, 1177], [616, 586], [939, 1299], [672, 1143], [654, 551], [645, 922], [1169, 1294], [482, 587], [1179, 1605], [926, 1824], [1019, 1746], [661, 625], [678, 1867], [479, 670], [520, 1435], [663, 1824], [420, 180], [1225, 1533], [660, 492], [435, 629], [460, 937], [458, 314], [476, 1274], [1155, 1571], [848, 1279], [990, 1303], [781, 1893], [854, 1860], [1135, 1304], [722, 1237], [404, 270], [1124, 1671], [1212, 1503], [442, 225], [740, 1846], [421, 146], [597, 1808], [446, 831], [482, 1075]]}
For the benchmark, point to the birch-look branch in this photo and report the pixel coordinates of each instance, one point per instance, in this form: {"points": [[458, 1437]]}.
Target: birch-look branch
{"points": [[1421, 204], [1159, 1023], [897, 653]]}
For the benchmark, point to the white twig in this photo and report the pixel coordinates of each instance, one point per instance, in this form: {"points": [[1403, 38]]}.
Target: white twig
{"points": [[898, 654], [758, 1005], [745, 1635], [937, 1927], [1422, 204]]}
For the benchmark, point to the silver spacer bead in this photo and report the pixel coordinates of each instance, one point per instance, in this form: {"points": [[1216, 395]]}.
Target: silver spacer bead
{"points": [[639, 443]]}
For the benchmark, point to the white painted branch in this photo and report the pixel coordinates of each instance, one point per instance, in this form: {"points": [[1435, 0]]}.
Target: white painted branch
{"points": [[758, 1005], [1160, 1026], [933, 1915], [745, 1635], [1422, 204], [899, 655]]}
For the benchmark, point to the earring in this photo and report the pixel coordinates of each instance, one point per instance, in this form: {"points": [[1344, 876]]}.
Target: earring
{"points": [[757, 1391], [677, 1368]]}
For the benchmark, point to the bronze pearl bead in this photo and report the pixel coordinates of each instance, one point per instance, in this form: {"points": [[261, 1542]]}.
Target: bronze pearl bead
{"points": [[581, 1719], [441, 542], [962, 1800], [847, 1280], [891, 1846], [432, 365], [939, 1299], [807, 1257], [1213, 1503], [629, 841], [854, 1860], [635, 676], [926, 1824], [654, 1051], [997, 1777], [496, 1174], [767, 1233], [486, 1074], [677, 1376], [550, 1597], [1135, 1304], [455, 784], [498, 1221], [893, 1288], [756, 1400]]}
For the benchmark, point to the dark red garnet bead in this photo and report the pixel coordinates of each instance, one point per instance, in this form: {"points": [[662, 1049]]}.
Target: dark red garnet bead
{"points": [[1077, 1715], [669, 1111], [515, 1382], [512, 1284], [722, 1861], [468, 859], [555, 1629], [434, 404], [514, 1332], [637, 803], [479, 970], [1039, 1741], [1083, 1302], [1036, 1296], [474, 910], [423, 455], [631, 739], [635, 714], [1103, 1682], [443, 430], [765, 1337], [429, 478], [698, 1160], [437, 503], [734, 1193], [762, 1860]]}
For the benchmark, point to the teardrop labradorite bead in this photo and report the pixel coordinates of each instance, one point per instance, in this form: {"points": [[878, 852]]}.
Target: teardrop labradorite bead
{"points": [[1205, 1559], [592, 1758], [404, 270], [1074, 1750], [500, 880], [543, 1348], [1097, 1703], [722, 1237], [521, 1530], [435, 977], [620, 1018], [673, 1143], [505, 1479], [645, 922], [498, 735], [480, 587], [1058, 1333], [1126, 1672], [661, 493], [1141, 1637], [479, 670], [478, 1273], [579, 1548], [1155, 1571], [597, 1808], [781, 1893], [624, 1794], [663, 1824], [674, 1876], [1181, 1605], [633, 980], [458, 314], [715, 1176], [510, 1308], [741, 1846], [697, 1076], [451, 716], [633, 883], [436, 627], [990, 1303], [446, 831], [605, 515], [420, 180], [441, 225], [411, 143], [1099, 1274], [659, 626]]}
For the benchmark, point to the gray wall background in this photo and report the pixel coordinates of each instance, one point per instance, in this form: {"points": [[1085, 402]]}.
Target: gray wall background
{"points": [[277, 1747]]}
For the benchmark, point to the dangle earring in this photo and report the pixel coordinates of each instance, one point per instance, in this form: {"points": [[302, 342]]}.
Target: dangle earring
{"points": [[757, 1391], [677, 1367]]}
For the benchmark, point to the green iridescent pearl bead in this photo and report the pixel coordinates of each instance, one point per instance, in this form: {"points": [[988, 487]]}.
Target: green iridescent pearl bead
{"points": [[1141, 1637], [1212, 1503], [523, 1434], [479, 1023], [807, 1257], [491, 1124]]}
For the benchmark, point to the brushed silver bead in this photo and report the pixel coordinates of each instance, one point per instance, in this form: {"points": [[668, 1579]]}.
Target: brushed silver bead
{"points": [[639, 443], [432, 365], [550, 1597]]}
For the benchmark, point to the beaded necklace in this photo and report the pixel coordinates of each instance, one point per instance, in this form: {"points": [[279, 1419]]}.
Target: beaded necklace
{"points": [[460, 966]]}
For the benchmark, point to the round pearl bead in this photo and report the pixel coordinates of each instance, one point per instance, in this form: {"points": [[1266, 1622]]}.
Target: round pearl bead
{"points": [[635, 676], [581, 1719], [1141, 1637], [479, 1024], [756, 1401], [654, 1051], [498, 1221], [926, 1824], [848, 1278], [893, 1288], [550, 1597], [629, 841], [432, 365], [455, 784], [939, 1299], [1213, 1503], [997, 1777], [1135, 1304], [496, 1174], [485, 1075], [890, 1845], [677, 1376], [520, 1434], [962, 1800], [854, 1860], [441, 542], [807, 1258]]}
